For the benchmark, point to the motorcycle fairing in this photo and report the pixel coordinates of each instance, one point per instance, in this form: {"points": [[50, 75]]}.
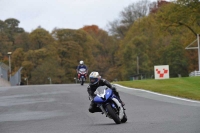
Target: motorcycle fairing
{"points": [[103, 94]]}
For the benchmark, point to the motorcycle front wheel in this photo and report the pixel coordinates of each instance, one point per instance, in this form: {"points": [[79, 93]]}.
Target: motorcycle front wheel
{"points": [[113, 114], [82, 81], [124, 119]]}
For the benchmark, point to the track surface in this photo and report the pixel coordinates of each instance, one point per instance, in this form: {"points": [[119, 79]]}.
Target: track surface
{"points": [[64, 109]]}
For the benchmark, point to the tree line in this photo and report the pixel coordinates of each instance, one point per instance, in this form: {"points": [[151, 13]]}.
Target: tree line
{"points": [[144, 35]]}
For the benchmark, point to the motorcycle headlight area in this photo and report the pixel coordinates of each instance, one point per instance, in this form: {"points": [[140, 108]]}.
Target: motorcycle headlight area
{"points": [[102, 95]]}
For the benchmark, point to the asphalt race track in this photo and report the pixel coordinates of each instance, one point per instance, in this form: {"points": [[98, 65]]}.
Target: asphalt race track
{"points": [[64, 109]]}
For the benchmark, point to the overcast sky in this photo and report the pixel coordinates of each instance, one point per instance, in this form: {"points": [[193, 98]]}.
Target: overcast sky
{"points": [[72, 14]]}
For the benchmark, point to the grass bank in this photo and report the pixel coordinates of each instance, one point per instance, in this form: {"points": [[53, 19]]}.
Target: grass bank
{"points": [[185, 87]]}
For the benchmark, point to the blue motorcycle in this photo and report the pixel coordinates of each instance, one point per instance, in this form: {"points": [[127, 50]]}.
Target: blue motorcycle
{"points": [[109, 104]]}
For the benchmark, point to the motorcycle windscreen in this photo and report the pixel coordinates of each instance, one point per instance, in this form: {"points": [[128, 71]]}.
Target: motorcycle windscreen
{"points": [[103, 94], [82, 70]]}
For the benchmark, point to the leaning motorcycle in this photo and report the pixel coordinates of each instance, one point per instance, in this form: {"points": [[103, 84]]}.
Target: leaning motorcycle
{"points": [[82, 75], [109, 104]]}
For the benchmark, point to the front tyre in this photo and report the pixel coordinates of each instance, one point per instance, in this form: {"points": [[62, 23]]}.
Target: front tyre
{"points": [[113, 114], [82, 81], [124, 119]]}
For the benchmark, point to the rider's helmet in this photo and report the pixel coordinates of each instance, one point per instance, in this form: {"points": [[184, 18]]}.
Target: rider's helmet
{"points": [[81, 62], [94, 78]]}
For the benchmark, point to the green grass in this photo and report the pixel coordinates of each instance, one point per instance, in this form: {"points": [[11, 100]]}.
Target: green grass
{"points": [[185, 87]]}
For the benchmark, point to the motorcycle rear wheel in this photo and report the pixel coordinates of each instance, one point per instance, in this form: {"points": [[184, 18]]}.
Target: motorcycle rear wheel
{"points": [[112, 114]]}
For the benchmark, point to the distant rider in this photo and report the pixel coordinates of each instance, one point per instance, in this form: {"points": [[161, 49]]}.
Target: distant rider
{"points": [[80, 66], [96, 81]]}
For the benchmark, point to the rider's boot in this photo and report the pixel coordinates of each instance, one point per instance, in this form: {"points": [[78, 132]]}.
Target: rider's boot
{"points": [[117, 94]]}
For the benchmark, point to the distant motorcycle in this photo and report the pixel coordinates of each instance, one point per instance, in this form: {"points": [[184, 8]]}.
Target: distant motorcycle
{"points": [[110, 105], [82, 75]]}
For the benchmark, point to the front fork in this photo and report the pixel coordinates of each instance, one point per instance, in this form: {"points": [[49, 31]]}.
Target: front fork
{"points": [[103, 110]]}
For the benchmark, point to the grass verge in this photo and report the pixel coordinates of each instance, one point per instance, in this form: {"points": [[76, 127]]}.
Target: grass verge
{"points": [[185, 87]]}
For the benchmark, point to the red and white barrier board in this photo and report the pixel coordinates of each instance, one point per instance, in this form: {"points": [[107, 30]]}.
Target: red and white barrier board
{"points": [[161, 72]]}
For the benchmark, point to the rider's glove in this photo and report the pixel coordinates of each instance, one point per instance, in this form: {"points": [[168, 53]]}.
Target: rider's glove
{"points": [[90, 98]]}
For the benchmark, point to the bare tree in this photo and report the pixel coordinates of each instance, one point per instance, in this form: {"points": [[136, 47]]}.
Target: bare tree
{"points": [[128, 16], [117, 29], [134, 12]]}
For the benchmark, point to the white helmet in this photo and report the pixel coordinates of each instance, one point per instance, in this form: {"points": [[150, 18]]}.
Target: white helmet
{"points": [[94, 78], [81, 62]]}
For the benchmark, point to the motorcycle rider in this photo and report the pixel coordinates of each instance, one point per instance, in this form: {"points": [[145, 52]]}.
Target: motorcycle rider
{"points": [[80, 66], [96, 81]]}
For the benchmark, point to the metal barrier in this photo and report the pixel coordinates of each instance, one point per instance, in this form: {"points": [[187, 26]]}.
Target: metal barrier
{"points": [[14, 80], [4, 75], [194, 73], [4, 71]]}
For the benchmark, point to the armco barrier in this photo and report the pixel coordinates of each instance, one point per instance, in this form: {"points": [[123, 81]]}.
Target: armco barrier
{"points": [[194, 73]]}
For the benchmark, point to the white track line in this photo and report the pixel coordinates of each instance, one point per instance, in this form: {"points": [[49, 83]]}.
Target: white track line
{"points": [[183, 99]]}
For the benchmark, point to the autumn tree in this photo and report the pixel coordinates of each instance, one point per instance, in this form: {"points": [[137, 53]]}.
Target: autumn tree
{"points": [[3, 38], [17, 59], [27, 69], [74, 45], [40, 38], [182, 14], [174, 56], [12, 28], [49, 68], [23, 41], [104, 49]]}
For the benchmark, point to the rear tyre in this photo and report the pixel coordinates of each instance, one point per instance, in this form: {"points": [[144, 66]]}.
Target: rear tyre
{"points": [[112, 114]]}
